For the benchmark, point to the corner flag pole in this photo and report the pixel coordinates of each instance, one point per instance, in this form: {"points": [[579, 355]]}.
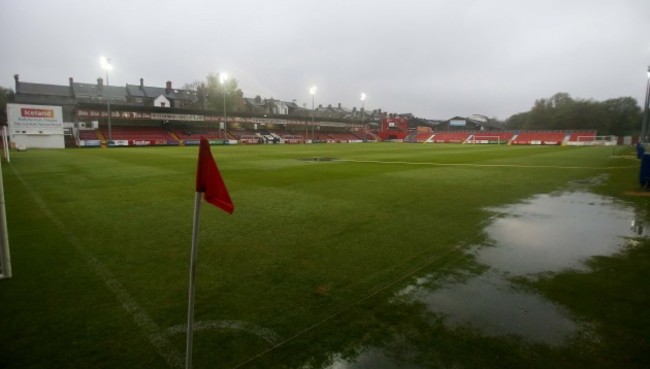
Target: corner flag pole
{"points": [[210, 183], [190, 306], [5, 144], [5, 258]]}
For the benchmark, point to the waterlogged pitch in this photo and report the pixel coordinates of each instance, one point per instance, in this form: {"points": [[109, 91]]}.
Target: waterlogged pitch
{"points": [[323, 263]]}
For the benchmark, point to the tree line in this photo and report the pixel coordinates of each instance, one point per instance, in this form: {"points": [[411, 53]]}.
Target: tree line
{"points": [[620, 116], [215, 94]]}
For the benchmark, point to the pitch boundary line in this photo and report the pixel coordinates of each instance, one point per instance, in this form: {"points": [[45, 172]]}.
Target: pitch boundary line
{"points": [[479, 165], [140, 317]]}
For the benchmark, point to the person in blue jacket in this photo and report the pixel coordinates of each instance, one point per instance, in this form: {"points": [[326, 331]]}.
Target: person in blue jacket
{"points": [[640, 150]]}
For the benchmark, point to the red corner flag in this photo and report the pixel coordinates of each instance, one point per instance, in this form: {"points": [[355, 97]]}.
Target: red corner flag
{"points": [[209, 181]]}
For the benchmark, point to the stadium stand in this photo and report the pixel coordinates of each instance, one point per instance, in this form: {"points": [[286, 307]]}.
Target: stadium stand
{"points": [[137, 133], [292, 138], [582, 136], [450, 137], [159, 135], [87, 134], [339, 136], [370, 136], [540, 138], [195, 135], [237, 133], [491, 137], [423, 136]]}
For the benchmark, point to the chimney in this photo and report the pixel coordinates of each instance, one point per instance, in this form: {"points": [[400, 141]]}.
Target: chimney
{"points": [[339, 105], [142, 84], [100, 82], [17, 79], [168, 89], [71, 81]]}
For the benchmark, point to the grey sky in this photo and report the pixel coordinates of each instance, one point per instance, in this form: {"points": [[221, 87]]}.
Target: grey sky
{"points": [[435, 59]]}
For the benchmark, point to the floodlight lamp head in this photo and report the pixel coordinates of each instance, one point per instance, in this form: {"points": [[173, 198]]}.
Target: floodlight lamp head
{"points": [[106, 63], [312, 90], [223, 77], [363, 96]]}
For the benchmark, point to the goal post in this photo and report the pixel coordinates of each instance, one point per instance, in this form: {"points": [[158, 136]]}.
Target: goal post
{"points": [[596, 140], [484, 139]]}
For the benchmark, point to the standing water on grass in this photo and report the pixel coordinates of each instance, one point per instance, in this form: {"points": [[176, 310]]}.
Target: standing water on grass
{"points": [[545, 234]]}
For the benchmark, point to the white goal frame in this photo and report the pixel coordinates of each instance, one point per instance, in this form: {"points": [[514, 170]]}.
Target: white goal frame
{"points": [[595, 141], [484, 139]]}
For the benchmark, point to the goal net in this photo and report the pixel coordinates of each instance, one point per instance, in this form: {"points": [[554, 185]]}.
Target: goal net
{"points": [[485, 140], [596, 140]]}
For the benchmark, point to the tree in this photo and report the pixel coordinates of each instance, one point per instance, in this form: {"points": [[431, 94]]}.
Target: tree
{"points": [[588, 114], [541, 116], [560, 100], [517, 121], [211, 93], [620, 116], [624, 116], [6, 96]]}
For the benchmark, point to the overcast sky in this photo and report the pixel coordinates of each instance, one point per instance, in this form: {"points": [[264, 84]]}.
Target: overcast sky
{"points": [[433, 58]]}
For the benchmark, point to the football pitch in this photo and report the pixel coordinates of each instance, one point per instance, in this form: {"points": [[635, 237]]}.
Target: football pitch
{"points": [[307, 270]]}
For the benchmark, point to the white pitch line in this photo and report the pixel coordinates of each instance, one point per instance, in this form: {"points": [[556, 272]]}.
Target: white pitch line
{"points": [[156, 336], [261, 332], [477, 165]]}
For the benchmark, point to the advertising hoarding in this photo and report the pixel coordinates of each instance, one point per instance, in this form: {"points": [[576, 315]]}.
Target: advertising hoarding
{"points": [[35, 126], [34, 119]]}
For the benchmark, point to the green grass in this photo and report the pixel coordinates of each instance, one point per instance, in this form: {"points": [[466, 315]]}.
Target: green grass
{"points": [[100, 243]]}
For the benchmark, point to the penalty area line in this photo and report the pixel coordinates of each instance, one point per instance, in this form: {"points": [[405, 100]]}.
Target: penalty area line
{"points": [[480, 165]]}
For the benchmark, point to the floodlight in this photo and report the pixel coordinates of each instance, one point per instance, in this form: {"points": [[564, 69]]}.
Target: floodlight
{"points": [[106, 63]]}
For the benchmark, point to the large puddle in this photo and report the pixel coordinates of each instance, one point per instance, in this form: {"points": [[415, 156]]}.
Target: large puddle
{"points": [[546, 234], [550, 233]]}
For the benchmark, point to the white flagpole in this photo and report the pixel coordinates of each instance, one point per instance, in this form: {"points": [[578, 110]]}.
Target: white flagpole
{"points": [[190, 307], [5, 143], [5, 258]]}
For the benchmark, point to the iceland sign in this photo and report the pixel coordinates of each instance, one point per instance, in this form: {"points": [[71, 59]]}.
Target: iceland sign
{"points": [[34, 118]]}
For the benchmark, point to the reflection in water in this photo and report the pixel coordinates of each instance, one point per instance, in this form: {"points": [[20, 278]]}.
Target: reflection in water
{"points": [[637, 227], [489, 303], [372, 358], [548, 233], [551, 233]]}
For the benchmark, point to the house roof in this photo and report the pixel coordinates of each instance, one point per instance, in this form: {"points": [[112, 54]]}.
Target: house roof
{"points": [[153, 92], [135, 90], [276, 102], [254, 102], [29, 88], [34, 92], [292, 105], [40, 93], [87, 90]]}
